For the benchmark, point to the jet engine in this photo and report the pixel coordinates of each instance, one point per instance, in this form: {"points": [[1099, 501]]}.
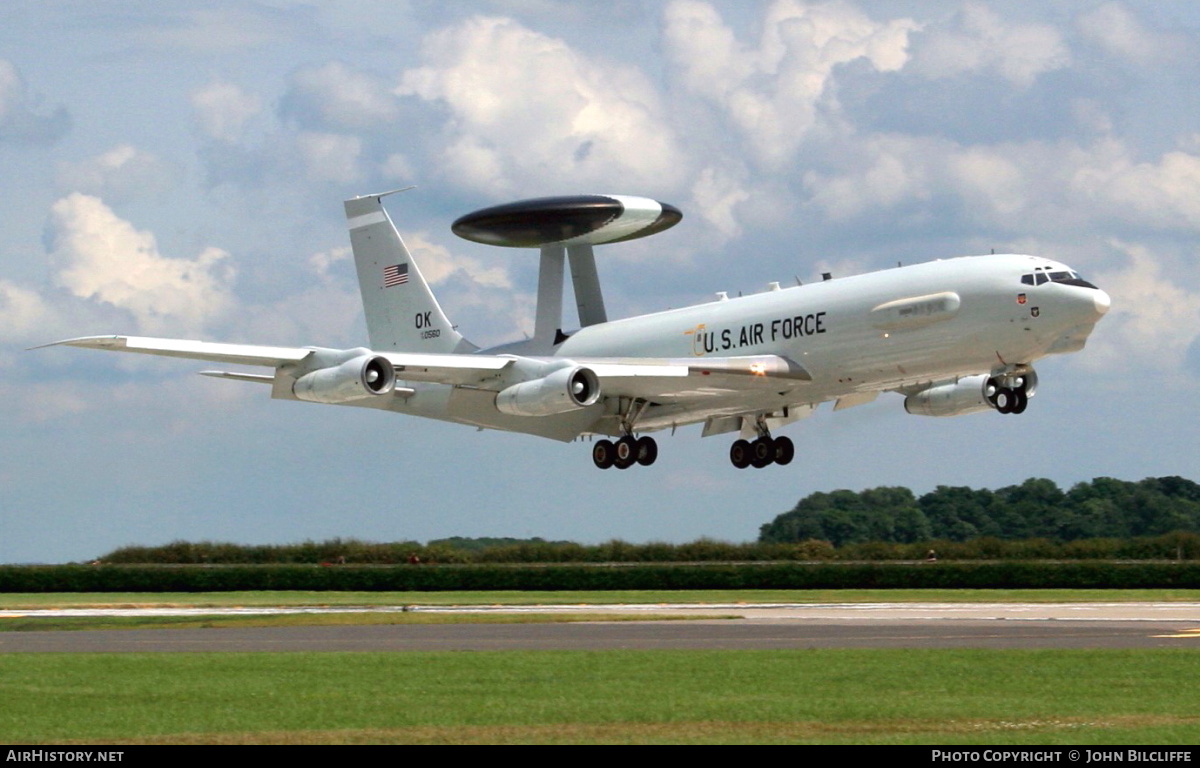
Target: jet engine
{"points": [[967, 395], [356, 379], [567, 389]]}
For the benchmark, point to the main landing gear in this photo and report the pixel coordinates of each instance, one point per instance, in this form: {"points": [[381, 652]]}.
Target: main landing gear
{"points": [[624, 453], [762, 451], [1010, 394]]}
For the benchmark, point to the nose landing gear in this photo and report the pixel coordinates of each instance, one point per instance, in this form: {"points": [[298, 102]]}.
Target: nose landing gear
{"points": [[1010, 394]]}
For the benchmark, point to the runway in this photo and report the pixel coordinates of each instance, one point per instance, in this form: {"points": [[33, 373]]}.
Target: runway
{"points": [[749, 627]]}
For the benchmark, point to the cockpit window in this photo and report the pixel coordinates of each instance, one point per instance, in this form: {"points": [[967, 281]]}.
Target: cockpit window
{"points": [[1042, 275]]}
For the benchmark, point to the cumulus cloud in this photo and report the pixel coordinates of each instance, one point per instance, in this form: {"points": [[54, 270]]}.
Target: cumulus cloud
{"points": [[886, 172], [979, 41], [1119, 33], [988, 179], [1154, 317], [716, 194], [330, 156], [1163, 194], [23, 312], [222, 110], [21, 120], [122, 173], [335, 97], [772, 91], [547, 112], [98, 256]]}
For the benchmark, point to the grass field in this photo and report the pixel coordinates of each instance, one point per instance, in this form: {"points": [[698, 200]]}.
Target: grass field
{"points": [[816, 696], [801, 696]]}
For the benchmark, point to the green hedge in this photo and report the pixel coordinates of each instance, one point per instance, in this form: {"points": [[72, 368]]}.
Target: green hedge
{"points": [[432, 578]]}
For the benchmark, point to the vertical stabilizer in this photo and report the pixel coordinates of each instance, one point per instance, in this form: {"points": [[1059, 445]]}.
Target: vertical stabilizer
{"points": [[402, 313]]}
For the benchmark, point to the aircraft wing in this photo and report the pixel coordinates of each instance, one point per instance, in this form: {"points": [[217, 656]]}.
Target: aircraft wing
{"points": [[237, 354], [659, 379], [447, 369]]}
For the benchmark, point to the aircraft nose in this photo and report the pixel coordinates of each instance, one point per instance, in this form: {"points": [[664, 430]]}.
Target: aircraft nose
{"points": [[1102, 302]]}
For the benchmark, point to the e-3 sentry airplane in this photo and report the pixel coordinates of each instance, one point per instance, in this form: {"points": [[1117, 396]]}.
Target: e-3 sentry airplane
{"points": [[953, 337]]}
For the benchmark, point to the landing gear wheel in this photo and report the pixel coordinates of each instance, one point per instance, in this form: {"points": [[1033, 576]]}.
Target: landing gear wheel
{"points": [[762, 452], [1020, 401], [739, 454], [1005, 400], [646, 450], [626, 450], [785, 451], [604, 454]]}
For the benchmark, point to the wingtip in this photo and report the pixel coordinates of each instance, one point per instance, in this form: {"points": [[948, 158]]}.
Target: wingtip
{"points": [[84, 341]]}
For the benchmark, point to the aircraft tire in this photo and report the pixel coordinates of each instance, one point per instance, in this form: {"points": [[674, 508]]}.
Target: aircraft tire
{"points": [[603, 453], [626, 452], [762, 452], [739, 454], [1020, 401], [646, 451], [785, 451], [1004, 400]]}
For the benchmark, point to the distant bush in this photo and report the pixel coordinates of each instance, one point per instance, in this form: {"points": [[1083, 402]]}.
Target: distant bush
{"points": [[590, 577]]}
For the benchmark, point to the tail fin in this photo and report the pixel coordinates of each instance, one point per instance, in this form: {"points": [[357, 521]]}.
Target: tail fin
{"points": [[402, 313]]}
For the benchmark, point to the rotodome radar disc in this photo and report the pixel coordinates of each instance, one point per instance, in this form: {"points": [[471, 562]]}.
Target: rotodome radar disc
{"points": [[574, 219]]}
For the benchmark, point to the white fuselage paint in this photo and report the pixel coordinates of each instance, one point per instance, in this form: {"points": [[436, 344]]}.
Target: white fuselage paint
{"points": [[897, 329]]}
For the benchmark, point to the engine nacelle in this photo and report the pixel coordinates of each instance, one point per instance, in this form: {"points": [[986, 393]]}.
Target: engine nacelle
{"points": [[967, 395], [567, 389], [357, 379]]}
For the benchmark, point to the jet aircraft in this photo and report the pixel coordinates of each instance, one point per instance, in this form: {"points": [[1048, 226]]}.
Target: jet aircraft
{"points": [[952, 337]]}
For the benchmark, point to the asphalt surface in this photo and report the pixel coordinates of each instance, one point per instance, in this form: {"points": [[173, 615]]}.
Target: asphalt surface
{"points": [[999, 626]]}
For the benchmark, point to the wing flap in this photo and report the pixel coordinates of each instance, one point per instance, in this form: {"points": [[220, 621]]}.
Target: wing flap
{"points": [[447, 369], [677, 380]]}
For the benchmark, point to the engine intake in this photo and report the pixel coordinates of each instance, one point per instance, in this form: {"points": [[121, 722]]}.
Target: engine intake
{"points": [[565, 390], [357, 379]]}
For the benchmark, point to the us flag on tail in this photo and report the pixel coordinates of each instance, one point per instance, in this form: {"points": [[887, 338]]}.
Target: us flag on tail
{"points": [[397, 274]]}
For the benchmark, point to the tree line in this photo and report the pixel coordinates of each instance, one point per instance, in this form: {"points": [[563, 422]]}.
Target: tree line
{"points": [[1104, 508], [1155, 518]]}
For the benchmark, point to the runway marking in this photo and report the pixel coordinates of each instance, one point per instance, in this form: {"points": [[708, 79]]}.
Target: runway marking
{"points": [[1193, 633]]}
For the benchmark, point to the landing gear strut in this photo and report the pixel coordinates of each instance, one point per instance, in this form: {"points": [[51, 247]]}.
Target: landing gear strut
{"points": [[629, 450], [763, 451]]}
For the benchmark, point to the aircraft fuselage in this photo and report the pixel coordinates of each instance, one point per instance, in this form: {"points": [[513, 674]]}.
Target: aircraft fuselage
{"points": [[890, 330]]}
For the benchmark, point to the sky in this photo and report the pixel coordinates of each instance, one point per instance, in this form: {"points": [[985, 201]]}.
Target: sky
{"points": [[177, 169]]}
